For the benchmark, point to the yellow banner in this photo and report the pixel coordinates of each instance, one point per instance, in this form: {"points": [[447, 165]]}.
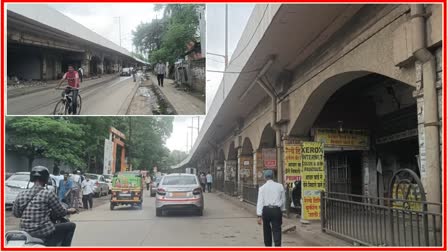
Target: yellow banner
{"points": [[348, 138], [313, 178], [413, 195], [293, 163]]}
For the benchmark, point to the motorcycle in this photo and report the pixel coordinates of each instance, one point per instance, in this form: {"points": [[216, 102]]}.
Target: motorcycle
{"points": [[18, 238]]}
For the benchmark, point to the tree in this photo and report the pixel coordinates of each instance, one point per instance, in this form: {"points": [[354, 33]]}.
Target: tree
{"points": [[53, 138], [166, 39]]}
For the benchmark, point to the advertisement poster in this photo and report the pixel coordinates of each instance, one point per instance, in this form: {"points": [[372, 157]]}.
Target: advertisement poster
{"points": [[127, 181], [259, 168], [108, 156], [409, 192], [313, 179], [269, 158], [293, 163], [230, 170], [246, 169], [349, 138]]}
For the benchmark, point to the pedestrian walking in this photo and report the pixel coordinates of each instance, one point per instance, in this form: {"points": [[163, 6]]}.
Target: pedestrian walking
{"points": [[148, 182], [76, 189], [160, 71], [65, 189], [270, 204], [57, 179], [297, 195], [134, 74], [203, 181], [87, 193], [209, 178]]}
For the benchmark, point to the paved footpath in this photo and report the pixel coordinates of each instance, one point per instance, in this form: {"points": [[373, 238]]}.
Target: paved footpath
{"points": [[183, 102]]}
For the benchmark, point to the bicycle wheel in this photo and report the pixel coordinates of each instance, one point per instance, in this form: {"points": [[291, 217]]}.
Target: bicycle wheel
{"points": [[60, 108], [78, 105]]}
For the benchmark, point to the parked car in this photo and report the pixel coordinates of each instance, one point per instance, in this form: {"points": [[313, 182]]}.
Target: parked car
{"points": [[153, 186], [100, 188], [108, 178], [127, 71], [18, 182], [179, 191]]}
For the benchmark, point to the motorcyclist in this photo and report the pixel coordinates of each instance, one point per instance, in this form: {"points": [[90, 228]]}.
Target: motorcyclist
{"points": [[37, 206]]}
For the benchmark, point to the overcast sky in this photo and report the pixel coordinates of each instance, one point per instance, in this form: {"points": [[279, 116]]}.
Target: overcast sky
{"points": [[181, 124], [103, 18], [238, 14]]}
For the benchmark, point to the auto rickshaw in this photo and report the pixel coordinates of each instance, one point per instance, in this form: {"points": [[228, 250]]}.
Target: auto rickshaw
{"points": [[127, 189]]}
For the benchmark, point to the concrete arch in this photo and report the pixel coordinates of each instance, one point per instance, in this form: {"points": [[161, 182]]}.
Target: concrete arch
{"points": [[247, 147], [267, 138], [305, 111], [232, 153]]}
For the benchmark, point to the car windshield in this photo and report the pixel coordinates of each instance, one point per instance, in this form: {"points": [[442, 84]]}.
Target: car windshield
{"points": [[92, 176], [179, 180], [108, 176], [20, 177]]}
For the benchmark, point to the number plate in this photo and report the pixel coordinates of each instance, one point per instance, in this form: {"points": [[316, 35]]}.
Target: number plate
{"points": [[178, 194], [125, 194]]}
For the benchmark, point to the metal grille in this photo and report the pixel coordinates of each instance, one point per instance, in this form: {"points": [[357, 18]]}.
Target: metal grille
{"points": [[250, 193], [230, 188], [338, 172], [374, 221]]}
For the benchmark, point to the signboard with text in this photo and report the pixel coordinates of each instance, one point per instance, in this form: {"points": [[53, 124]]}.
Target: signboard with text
{"points": [[313, 178], [269, 158], [348, 138], [293, 163], [108, 156]]}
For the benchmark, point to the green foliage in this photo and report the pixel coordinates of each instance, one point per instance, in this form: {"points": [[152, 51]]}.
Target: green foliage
{"points": [[166, 39], [48, 137], [79, 141]]}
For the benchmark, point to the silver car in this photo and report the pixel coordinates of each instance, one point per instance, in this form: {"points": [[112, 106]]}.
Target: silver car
{"points": [[100, 187], [108, 178], [18, 182], [179, 191]]}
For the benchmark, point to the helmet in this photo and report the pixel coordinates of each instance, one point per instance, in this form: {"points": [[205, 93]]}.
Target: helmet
{"points": [[39, 172]]}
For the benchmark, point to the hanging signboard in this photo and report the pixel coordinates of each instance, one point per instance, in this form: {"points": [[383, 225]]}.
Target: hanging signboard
{"points": [[269, 158], [108, 156], [293, 163], [348, 138], [313, 178]]}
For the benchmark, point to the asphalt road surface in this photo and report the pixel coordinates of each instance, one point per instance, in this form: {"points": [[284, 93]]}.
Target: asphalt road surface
{"points": [[223, 224], [110, 98]]}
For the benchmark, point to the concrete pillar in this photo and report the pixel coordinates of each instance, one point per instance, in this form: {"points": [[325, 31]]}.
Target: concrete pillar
{"points": [[44, 67], [254, 171], [239, 180], [100, 65]]}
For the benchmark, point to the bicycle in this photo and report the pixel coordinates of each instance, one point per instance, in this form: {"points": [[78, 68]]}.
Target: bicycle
{"points": [[65, 104]]}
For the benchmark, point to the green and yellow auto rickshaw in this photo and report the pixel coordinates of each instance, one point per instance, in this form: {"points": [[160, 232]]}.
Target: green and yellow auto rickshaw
{"points": [[127, 189]]}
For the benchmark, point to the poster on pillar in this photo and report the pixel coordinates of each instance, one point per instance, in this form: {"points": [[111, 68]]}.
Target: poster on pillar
{"points": [[269, 158], [259, 168], [293, 163], [313, 179], [230, 170], [246, 169]]}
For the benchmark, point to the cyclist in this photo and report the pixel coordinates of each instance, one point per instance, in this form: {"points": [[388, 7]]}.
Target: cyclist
{"points": [[72, 78]]}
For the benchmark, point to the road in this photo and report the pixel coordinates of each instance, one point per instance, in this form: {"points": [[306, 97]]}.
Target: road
{"points": [[223, 224], [110, 98]]}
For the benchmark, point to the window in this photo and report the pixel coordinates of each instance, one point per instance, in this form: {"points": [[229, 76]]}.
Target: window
{"points": [[179, 180]]}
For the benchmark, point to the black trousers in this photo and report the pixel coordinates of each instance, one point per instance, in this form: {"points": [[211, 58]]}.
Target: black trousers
{"points": [[160, 79], [272, 226], [203, 187], [62, 235], [147, 186], [87, 199]]}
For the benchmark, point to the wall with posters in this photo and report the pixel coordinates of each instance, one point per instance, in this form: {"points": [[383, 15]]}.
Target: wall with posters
{"points": [[293, 162], [246, 169]]}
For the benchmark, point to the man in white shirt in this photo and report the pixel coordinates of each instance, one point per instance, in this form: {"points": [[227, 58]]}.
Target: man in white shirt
{"points": [[209, 179], [160, 71], [87, 193], [270, 204]]}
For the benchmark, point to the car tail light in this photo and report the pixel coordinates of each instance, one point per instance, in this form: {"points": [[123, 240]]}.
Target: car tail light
{"points": [[197, 191], [161, 191], [97, 183]]}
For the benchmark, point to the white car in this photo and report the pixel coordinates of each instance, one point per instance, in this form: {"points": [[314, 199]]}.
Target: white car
{"points": [[100, 186], [108, 179], [18, 182]]}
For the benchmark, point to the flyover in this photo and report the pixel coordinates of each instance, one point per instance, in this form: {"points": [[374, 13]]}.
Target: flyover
{"points": [[42, 42], [299, 70]]}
